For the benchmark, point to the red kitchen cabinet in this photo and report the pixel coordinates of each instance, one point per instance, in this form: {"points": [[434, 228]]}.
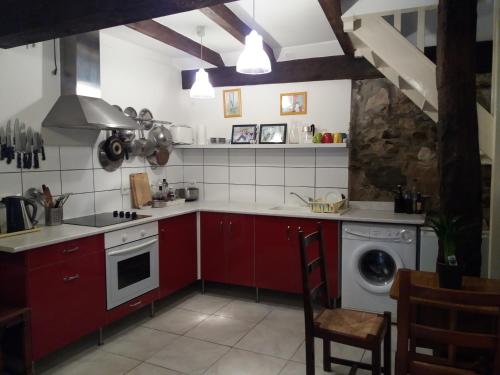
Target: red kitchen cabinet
{"points": [[227, 248], [63, 284], [277, 258], [178, 253]]}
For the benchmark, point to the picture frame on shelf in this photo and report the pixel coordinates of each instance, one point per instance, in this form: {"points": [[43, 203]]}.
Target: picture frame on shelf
{"points": [[244, 134], [293, 103], [232, 103], [272, 134]]}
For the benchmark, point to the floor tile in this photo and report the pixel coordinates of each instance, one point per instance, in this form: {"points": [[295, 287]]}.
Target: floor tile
{"points": [[148, 369], [295, 368], [96, 362], [204, 303], [275, 341], [242, 362], [338, 350], [176, 321], [286, 318], [139, 343], [243, 310], [188, 355], [221, 330]]}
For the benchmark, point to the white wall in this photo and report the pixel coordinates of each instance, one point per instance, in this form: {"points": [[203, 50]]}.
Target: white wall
{"points": [[328, 106]]}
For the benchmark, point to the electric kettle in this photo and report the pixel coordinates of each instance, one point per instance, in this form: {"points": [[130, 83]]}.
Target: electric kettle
{"points": [[18, 215]]}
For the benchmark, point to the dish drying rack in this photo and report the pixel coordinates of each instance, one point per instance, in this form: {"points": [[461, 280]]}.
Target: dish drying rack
{"points": [[324, 205]]}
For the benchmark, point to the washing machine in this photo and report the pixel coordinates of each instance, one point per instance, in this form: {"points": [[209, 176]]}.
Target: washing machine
{"points": [[371, 255]]}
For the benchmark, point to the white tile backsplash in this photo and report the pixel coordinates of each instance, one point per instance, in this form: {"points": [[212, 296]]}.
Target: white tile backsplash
{"points": [[77, 181], [242, 193], [76, 157], [133, 161], [52, 160], [107, 201], [193, 156], [216, 156], [176, 157], [242, 175], [175, 174], [216, 174], [332, 157], [79, 205], [193, 173], [300, 157], [270, 194], [104, 180], [242, 157], [36, 179], [304, 192], [10, 184], [270, 158], [299, 176], [270, 176], [156, 175], [332, 177], [217, 192]]}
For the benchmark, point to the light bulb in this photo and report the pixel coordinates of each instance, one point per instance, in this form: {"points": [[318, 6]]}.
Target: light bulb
{"points": [[202, 88], [253, 59]]}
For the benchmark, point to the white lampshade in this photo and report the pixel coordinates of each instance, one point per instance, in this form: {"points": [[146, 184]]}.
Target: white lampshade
{"points": [[253, 59], [202, 88]]}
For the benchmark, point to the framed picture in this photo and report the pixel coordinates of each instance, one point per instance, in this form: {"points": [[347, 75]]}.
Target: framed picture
{"points": [[272, 133], [244, 134], [232, 103], [293, 103]]}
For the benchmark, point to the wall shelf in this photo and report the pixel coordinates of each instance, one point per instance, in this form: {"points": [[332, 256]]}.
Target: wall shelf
{"points": [[254, 146]]}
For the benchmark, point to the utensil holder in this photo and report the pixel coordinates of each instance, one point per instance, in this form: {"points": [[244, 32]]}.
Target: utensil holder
{"points": [[53, 216]]}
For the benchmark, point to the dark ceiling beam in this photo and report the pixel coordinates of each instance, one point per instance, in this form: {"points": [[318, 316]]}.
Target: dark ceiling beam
{"points": [[225, 18], [333, 13], [315, 69], [30, 21], [168, 36]]}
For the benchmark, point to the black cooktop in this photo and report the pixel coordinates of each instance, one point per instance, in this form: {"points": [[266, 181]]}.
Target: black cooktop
{"points": [[105, 219]]}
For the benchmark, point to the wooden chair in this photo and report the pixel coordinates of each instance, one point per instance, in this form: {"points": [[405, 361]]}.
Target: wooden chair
{"points": [[414, 329], [350, 327], [10, 318]]}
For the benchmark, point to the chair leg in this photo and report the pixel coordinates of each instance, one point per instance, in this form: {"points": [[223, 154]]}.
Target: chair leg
{"points": [[327, 363], [387, 345], [309, 355], [376, 368]]}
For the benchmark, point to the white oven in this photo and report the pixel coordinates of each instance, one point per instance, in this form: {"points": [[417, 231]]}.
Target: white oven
{"points": [[131, 263]]}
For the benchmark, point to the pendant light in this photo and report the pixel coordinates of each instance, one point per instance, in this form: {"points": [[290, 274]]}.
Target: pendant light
{"points": [[202, 88], [253, 59]]}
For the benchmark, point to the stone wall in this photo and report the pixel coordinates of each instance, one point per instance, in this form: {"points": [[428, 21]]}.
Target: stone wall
{"points": [[392, 143]]}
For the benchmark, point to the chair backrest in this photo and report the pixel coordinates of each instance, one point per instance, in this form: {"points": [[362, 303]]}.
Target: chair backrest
{"points": [[444, 319], [313, 284]]}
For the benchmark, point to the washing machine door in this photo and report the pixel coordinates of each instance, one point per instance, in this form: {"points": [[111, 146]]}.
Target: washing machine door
{"points": [[374, 267]]}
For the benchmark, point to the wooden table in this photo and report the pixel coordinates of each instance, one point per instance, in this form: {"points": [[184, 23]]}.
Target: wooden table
{"points": [[430, 280]]}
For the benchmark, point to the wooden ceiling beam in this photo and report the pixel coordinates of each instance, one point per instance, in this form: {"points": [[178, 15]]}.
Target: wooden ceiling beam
{"points": [[315, 69], [333, 13], [168, 36], [225, 18], [30, 21]]}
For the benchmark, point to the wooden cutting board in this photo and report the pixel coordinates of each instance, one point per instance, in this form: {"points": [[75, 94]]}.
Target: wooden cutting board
{"points": [[140, 190]]}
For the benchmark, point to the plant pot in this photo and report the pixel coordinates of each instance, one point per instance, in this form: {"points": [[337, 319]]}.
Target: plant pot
{"points": [[450, 277]]}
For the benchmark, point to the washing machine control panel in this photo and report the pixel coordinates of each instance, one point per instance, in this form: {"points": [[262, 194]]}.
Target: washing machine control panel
{"points": [[383, 234]]}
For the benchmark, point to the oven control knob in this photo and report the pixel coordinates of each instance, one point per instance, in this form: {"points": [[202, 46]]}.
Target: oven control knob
{"points": [[127, 214], [124, 238], [122, 214], [115, 213], [405, 236], [143, 233], [134, 215]]}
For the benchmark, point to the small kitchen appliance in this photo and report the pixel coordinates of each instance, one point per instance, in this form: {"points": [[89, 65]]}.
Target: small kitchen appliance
{"points": [[19, 217], [182, 134]]}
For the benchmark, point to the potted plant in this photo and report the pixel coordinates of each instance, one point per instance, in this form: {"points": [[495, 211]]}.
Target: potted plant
{"points": [[447, 228]]}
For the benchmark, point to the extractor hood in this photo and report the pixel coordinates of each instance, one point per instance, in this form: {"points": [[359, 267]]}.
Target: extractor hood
{"points": [[80, 105]]}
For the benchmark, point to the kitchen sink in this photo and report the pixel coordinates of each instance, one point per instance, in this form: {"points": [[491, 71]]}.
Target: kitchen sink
{"points": [[291, 208]]}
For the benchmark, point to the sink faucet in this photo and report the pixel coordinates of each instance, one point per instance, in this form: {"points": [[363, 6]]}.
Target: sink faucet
{"points": [[302, 199]]}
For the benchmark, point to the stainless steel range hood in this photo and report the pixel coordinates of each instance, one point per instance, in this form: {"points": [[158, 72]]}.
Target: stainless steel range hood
{"points": [[80, 105]]}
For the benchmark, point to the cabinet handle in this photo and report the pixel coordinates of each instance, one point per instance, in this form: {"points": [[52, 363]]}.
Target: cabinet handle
{"points": [[221, 223], [230, 227], [71, 278], [135, 304], [288, 230], [162, 230], [72, 250]]}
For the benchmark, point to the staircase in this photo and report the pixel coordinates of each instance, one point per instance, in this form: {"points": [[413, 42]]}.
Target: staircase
{"points": [[405, 64]]}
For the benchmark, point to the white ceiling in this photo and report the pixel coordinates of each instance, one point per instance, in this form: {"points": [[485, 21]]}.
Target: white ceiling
{"points": [[295, 29]]}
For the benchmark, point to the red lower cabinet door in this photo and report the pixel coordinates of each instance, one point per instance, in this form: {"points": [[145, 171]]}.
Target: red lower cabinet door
{"points": [[213, 254], [178, 260], [67, 301], [240, 249], [277, 264]]}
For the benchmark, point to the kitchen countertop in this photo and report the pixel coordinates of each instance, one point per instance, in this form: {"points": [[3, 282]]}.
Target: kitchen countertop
{"points": [[66, 232]]}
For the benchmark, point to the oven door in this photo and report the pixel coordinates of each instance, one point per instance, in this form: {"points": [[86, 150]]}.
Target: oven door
{"points": [[131, 270]]}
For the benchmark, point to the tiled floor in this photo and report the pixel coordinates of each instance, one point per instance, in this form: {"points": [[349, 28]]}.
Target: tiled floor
{"points": [[216, 334]]}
